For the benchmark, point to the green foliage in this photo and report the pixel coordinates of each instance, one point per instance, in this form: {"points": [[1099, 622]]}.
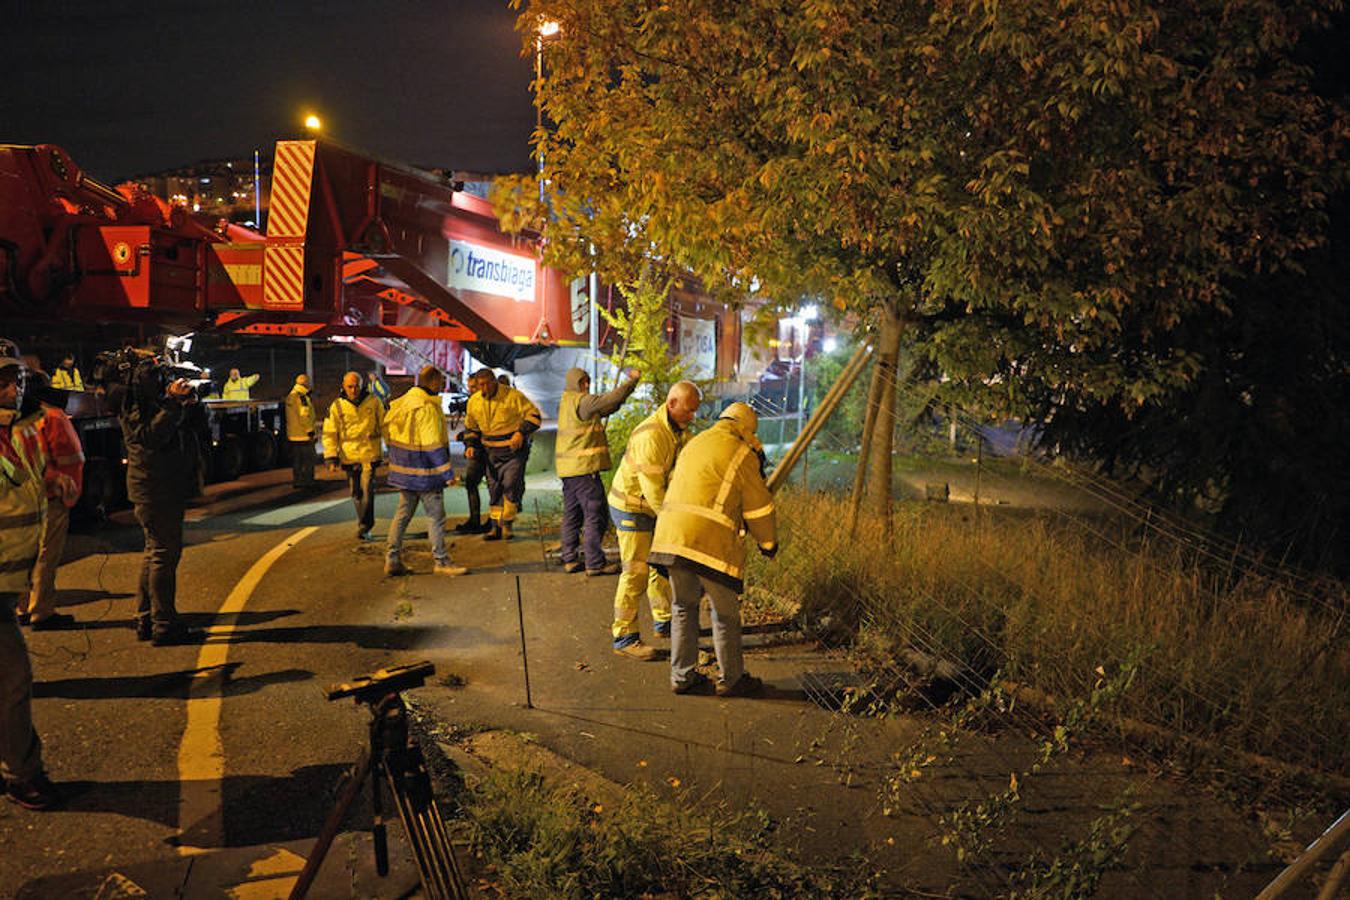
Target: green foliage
{"points": [[545, 841], [1077, 869]]}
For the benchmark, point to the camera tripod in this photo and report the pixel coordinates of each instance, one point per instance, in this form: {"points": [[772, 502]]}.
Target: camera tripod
{"points": [[394, 758]]}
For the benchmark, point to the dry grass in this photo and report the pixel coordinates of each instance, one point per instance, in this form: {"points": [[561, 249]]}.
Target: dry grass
{"points": [[1229, 657]]}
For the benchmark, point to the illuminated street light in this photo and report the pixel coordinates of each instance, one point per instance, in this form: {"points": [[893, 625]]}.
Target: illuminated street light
{"points": [[548, 28], [313, 122]]}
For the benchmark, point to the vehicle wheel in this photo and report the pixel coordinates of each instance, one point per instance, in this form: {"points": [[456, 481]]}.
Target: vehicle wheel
{"points": [[262, 451], [229, 458], [100, 491]]}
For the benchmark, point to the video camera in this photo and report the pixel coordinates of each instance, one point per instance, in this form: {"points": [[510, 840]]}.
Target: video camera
{"points": [[377, 685], [129, 367]]}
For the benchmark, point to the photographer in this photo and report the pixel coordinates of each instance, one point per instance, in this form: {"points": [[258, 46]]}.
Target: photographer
{"points": [[162, 429]]}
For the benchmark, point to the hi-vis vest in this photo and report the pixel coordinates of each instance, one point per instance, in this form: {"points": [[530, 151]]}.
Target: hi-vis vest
{"points": [[23, 502], [238, 388], [715, 491], [419, 444], [582, 447], [640, 482], [498, 417], [299, 414]]}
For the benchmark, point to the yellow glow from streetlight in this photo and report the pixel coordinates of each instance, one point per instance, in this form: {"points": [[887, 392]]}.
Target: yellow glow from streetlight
{"points": [[548, 28], [313, 122]]}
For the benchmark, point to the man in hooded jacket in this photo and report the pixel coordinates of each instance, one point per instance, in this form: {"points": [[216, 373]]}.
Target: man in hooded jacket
{"points": [[300, 432], [582, 454]]}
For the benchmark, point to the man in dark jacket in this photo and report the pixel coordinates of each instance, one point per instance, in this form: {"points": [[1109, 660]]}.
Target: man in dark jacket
{"points": [[162, 430]]}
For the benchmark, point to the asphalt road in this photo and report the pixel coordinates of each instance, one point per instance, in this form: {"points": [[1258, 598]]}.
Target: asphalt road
{"points": [[184, 766]]}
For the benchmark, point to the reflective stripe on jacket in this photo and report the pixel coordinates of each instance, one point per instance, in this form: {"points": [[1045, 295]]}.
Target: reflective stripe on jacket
{"points": [[65, 455], [299, 415], [238, 388], [582, 446], [64, 380], [23, 502], [715, 491], [500, 416], [352, 431], [640, 482], [419, 451]]}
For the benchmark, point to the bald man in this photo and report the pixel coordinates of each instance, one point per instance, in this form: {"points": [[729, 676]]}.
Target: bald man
{"points": [[635, 499], [352, 440]]}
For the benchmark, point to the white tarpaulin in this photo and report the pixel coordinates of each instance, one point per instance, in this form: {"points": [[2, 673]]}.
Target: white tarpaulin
{"points": [[698, 347]]}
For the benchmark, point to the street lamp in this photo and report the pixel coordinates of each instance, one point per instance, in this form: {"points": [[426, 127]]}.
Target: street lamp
{"points": [[313, 123]]}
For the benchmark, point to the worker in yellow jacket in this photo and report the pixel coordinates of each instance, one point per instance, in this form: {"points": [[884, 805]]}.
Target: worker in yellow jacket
{"points": [[582, 454], [352, 440], [501, 418], [300, 432], [635, 500], [237, 387], [717, 493], [66, 376], [23, 502]]}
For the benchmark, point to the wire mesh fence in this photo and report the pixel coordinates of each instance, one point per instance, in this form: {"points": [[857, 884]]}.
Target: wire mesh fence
{"points": [[1036, 602]]}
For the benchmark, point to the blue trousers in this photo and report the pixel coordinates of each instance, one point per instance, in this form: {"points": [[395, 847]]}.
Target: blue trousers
{"points": [[585, 514]]}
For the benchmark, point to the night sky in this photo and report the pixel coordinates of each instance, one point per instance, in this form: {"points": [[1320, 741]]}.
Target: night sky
{"points": [[134, 88]]}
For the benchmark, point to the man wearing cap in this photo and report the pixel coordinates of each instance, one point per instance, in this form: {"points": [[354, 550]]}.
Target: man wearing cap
{"points": [[717, 492], [502, 418], [582, 454], [636, 498], [300, 432], [63, 478], [22, 503]]}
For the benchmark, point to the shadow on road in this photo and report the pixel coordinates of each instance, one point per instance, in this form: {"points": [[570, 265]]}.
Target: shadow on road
{"points": [[375, 637], [173, 685]]}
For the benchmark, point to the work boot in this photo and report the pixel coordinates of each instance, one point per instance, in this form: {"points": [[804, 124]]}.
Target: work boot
{"points": [[468, 526], [697, 684], [37, 793], [746, 686], [638, 651], [573, 567], [172, 635], [447, 568], [143, 629], [494, 534], [396, 568], [661, 629], [606, 569], [54, 622]]}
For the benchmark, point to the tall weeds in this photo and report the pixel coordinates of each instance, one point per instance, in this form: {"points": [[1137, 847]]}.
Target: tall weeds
{"points": [[1231, 658]]}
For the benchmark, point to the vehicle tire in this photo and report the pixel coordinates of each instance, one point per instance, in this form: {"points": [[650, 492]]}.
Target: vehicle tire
{"points": [[228, 458], [262, 451], [101, 491]]}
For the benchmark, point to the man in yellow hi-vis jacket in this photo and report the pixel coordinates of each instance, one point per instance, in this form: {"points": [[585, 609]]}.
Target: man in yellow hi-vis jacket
{"points": [[238, 387], [23, 499], [635, 501], [300, 432], [582, 454], [716, 493], [352, 439], [501, 418]]}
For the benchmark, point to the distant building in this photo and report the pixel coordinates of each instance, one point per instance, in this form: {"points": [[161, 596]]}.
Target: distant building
{"points": [[218, 188]]}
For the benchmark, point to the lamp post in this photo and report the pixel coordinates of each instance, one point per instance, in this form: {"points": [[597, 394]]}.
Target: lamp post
{"points": [[547, 29]]}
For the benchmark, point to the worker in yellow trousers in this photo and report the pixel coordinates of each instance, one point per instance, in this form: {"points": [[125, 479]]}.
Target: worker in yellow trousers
{"points": [[635, 500]]}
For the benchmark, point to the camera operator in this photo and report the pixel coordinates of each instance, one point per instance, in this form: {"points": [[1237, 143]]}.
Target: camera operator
{"points": [[162, 428]]}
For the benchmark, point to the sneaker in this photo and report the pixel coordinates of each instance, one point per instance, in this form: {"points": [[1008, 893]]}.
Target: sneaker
{"points": [[661, 629], [746, 686], [449, 569], [573, 567], [395, 569], [54, 622], [697, 684], [172, 635], [468, 526], [606, 569], [638, 651], [37, 793], [364, 536]]}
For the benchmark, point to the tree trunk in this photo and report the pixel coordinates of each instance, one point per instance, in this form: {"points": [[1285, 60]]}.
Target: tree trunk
{"points": [[874, 393], [878, 501]]}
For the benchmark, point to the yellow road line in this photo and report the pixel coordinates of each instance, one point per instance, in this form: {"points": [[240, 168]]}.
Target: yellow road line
{"points": [[201, 756]]}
